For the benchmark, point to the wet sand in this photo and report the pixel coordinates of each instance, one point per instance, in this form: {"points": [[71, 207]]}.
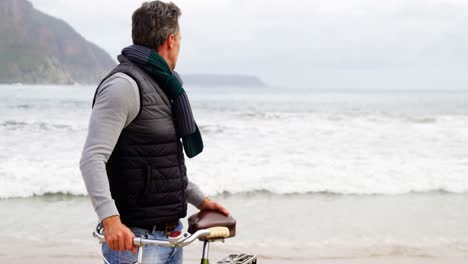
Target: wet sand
{"points": [[30, 251], [318, 228]]}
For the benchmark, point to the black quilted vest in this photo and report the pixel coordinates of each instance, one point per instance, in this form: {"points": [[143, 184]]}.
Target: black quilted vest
{"points": [[146, 170]]}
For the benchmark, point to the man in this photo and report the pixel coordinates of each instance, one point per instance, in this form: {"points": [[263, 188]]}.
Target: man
{"points": [[133, 159]]}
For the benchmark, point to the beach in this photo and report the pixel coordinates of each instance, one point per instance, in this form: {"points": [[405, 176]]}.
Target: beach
{"points": [[53, 253], [314, 228]]}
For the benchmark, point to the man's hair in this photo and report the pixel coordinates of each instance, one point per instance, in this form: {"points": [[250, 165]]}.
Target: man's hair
{"points": [[153, 22]]}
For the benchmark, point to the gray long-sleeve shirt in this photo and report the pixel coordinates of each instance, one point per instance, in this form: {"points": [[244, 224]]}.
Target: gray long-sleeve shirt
{"points": [[117, 105]]}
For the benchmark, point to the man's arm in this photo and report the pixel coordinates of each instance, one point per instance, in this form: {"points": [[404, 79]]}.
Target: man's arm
{"points": [[195, 195], [112, 111], [115, 107]]}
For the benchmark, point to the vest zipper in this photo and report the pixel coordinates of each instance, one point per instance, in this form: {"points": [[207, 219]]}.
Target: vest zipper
{"points": [[179, 151]]}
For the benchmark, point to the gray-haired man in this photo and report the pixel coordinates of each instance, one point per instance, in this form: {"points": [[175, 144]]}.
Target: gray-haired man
{"points": [[133, 159]]}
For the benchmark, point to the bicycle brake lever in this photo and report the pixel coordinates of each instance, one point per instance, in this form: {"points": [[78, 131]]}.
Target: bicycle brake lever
{"points": [[176, 237]]}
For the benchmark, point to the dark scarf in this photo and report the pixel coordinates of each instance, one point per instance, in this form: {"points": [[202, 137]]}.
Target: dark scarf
{"points": [[171, 84]]}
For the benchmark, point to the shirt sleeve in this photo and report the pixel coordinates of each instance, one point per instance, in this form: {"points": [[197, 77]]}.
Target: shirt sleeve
{"points": [[195, 196], [116, 105]]}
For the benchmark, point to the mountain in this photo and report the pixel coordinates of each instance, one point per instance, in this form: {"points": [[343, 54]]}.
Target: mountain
{"points": [[37, 48], [223, 80]]}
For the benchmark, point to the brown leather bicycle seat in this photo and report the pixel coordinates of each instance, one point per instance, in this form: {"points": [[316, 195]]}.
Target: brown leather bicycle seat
{"points": [[207, 219]]}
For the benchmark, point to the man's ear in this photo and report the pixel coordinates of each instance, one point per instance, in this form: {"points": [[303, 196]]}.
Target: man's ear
{"points": [[171, 41]]}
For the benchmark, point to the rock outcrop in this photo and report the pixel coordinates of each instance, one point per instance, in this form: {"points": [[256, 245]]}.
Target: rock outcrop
{"points": [[36, 48]]}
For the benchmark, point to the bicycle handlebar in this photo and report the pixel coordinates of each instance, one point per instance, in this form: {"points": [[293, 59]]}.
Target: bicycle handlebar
{"points": [[180, 241]]}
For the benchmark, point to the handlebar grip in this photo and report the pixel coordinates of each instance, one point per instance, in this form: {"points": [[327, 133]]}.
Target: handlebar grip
{"points": [[218, 232]]}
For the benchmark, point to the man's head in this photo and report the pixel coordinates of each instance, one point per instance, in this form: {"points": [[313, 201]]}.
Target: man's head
{"points": [[156, 25]]}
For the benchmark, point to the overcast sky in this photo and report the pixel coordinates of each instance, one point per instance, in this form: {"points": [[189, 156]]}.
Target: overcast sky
{"points": [[399, 44]]}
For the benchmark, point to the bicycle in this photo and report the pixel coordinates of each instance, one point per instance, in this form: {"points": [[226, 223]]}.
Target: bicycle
{"points": [[207, 227]]}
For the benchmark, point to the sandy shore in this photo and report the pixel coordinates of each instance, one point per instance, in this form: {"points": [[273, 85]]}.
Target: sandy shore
{"points": [[278, 229], [32, 251]]}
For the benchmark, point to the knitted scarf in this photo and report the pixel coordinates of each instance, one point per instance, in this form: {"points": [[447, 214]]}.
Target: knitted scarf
{"points": [[171, 83]]}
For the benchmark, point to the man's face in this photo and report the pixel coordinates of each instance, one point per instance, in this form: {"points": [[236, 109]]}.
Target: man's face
{"points": [[175, 48]]}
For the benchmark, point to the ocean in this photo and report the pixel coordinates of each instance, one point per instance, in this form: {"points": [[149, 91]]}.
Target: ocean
{"points": [[365, 172]]}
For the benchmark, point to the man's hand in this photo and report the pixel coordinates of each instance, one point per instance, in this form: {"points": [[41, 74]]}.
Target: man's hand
{"points": [[209, 205], [117, 235]]}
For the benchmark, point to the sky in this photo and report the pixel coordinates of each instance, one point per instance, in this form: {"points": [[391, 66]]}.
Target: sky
{"points": [[316, 44]]}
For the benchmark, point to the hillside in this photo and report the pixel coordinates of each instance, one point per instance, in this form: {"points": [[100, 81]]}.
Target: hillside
{"points": [[36, 48]]}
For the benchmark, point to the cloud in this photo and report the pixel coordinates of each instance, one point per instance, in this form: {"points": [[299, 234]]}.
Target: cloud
{"points": [[323, 43]]}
